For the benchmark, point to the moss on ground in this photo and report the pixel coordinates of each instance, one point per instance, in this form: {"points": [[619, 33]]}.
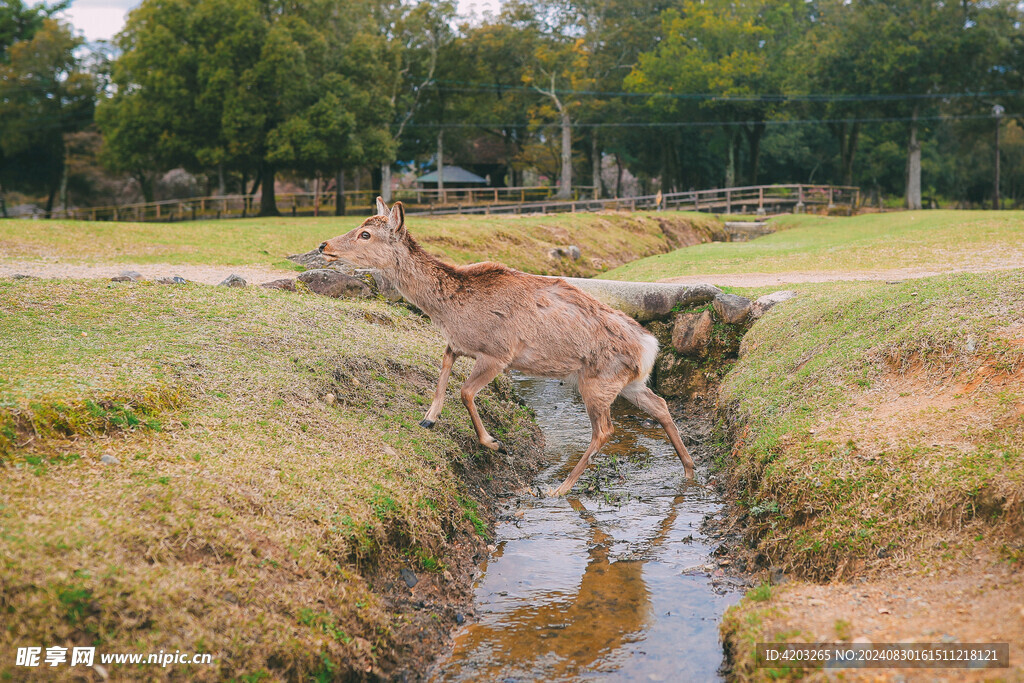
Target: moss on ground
{"points": [[606, 240], [250, 516]]}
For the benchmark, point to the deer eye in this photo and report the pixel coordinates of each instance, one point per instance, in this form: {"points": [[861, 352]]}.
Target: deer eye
{"points": [[364, 235]]}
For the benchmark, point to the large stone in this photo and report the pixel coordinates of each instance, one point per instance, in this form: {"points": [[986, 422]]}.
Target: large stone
{"points": [[127, 276], [334, 284], [732, 308], [314, 260], [762, 304], [646, 301], [233, 281], [380, 283], [174, 280], [677, 377], [285, 284], [691, 332]]}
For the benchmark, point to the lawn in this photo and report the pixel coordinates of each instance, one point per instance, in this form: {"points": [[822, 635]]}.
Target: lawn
{"points": [[876, 433], [926, 240], [606, 240], [271, 478]]}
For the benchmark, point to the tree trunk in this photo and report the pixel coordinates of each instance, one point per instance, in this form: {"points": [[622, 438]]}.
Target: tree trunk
{"points": [[339, 195], [913, 198], [848, 149], [595, 165], [220, 180], [268, 202], [145, 186], [730, 169], [49, 200], [565, 177], [618, 175], [754, 134], [385, 182], [440, 162]]}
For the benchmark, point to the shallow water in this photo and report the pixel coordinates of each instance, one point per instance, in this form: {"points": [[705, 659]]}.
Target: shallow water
{"points": [[611, 582]]}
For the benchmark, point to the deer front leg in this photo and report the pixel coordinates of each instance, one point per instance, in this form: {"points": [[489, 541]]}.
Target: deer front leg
{"points": [[486, 369], [601, 422], [447, 361]]}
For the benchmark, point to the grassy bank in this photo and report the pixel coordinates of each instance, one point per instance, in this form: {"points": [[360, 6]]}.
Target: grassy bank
{"points": [[928, 240], [878, 434], [271, 479], [605, 240]]}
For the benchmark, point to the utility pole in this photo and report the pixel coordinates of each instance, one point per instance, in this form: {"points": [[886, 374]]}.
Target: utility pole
{"points": [[997, 113]]}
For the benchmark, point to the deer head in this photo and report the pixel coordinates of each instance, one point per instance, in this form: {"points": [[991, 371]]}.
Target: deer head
{"points": [[376, 243]]}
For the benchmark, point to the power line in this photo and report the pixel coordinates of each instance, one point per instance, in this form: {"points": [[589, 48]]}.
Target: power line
{"points": [[702, 124], [466, 86]]}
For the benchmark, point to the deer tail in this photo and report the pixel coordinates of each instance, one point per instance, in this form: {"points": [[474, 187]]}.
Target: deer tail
{"points": [[647, 356]]}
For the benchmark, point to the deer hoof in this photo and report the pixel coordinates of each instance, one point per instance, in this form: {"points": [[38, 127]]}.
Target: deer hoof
{"points": [[501, 447], [427, 424]]}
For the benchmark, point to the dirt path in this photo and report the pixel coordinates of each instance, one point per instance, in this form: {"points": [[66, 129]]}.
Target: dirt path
{"points": [[208, 275], [770, 279]]}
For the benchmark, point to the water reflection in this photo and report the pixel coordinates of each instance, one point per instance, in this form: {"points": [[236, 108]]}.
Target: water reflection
{"points": [[582, 588]]}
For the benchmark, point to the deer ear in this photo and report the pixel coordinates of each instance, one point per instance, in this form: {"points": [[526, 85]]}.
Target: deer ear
{"points": [[382, 208], [396, 220]]}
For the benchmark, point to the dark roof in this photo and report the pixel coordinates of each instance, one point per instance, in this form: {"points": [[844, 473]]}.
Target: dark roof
{"points": [[454, 175]]}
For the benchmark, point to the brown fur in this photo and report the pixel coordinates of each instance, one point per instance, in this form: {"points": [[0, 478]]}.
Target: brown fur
{"points": [[504, 318]]}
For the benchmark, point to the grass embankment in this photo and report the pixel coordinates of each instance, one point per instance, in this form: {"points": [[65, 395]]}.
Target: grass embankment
{"points": [[936, 241], [606, 240], [249, 517], [879, 434]]}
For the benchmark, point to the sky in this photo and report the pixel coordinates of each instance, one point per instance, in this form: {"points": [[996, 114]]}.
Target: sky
{"points": [[101, 19]]}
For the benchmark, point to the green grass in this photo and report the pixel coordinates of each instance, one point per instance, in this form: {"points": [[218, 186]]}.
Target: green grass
{"points": [[825, 487], [523, 242], [247, 517], [936, 240]]}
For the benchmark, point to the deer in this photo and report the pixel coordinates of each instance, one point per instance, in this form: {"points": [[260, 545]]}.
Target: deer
{"points": [[506, 319]]}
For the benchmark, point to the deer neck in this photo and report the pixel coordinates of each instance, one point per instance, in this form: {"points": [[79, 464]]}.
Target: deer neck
{"points": [[421, 278]]}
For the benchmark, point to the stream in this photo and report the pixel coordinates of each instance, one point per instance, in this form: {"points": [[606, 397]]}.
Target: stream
{"points": [[613, 581]]}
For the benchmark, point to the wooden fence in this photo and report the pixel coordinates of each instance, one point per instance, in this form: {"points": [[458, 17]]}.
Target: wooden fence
{"points": [[758, 199], [493, 200], [309, 203]]}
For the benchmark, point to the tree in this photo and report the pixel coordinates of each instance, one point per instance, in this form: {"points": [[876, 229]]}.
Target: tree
{"points": [[44, 95], [253, 85]]}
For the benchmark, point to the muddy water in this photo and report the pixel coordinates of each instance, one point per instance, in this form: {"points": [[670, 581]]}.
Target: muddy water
{"points": [[611, 582]]}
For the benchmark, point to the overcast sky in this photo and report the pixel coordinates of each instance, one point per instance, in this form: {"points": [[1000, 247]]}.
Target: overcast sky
{"points": [[101, 19]]}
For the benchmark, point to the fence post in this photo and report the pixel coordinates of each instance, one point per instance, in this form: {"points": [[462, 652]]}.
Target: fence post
{"points": [[831, 202], [728, 201], [696, 200]]}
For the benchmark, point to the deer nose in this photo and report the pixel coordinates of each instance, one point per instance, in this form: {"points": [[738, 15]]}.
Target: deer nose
{"points": [[322, 245]]}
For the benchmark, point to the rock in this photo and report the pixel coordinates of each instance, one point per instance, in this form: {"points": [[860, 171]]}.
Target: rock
{"points": [[108, 459], [334, 284], [311, 259], [409, 577], [677, 377], [460, 618], [732, 308], [645, 301], [175, 280], [233, 281], [762, 304], [285, 284], [127, 276], [22, 276], [329, 399], [691, 332], [379, 283], [776, 576], [571, 251]]}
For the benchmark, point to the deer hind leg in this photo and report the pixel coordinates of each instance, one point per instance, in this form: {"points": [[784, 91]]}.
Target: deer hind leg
{"points": [[640, 395], [447, 361], [486, 369], [599, 403]]}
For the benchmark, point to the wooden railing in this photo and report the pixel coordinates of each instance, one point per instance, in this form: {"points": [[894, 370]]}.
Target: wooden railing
{"points": [[309, 204], [761, 199], [496, 200]]}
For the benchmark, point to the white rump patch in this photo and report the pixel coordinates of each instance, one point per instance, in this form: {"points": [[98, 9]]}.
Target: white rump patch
{"points": [[647, 358]]}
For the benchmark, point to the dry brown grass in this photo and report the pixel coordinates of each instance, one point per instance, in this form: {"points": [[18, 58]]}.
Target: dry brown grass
{"points": [[248, 518]]}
